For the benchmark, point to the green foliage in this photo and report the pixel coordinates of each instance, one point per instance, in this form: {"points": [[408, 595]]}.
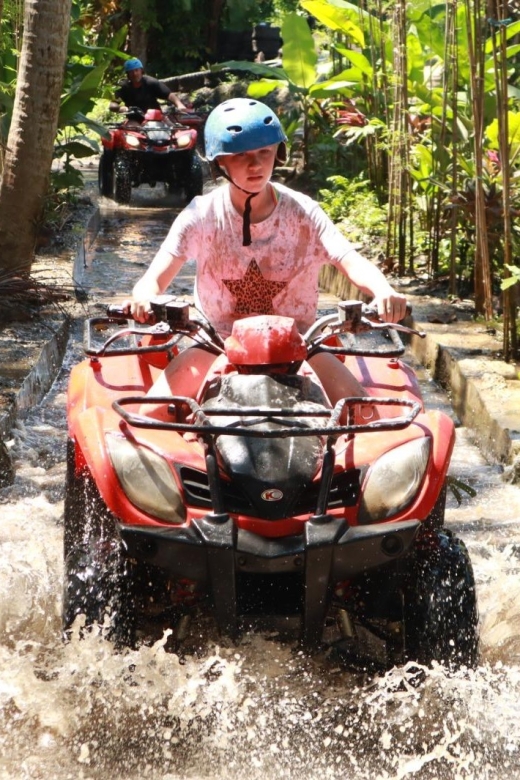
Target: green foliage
{"points": [[340, 16], [89, 57], [492, 135], [10, 47], [352, 201], [298, 74], [299, 57], [298, 70], [281, 8], [514, 277], [244, 14], [177, 36], [65, 183]]}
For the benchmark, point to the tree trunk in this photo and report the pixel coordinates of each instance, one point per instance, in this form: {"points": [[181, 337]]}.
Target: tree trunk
{"points": [[138, 31], [215, 12], [30, 143]]}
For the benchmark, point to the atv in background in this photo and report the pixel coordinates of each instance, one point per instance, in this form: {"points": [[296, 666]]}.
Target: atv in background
{"points": [[151, 147], [194, 119]]}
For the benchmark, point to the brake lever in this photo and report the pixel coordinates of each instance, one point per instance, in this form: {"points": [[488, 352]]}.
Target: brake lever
{"points": [[370, 325], [159, 329], [365, 324]]}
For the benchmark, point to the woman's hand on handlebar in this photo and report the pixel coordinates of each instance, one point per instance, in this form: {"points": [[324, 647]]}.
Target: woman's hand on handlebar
{"points": [[140, 311], [391, 307]]}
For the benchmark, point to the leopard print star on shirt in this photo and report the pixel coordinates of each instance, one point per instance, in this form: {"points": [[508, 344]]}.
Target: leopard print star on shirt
{"points": [[253, 292]]}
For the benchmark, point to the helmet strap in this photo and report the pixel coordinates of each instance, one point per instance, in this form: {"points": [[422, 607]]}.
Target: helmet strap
{"points": [[246, 216], [246, 220]]}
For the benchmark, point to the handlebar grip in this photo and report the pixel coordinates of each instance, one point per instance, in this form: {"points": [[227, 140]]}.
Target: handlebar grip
{"points": [[163, 308], [371, 312], [116, 312]]}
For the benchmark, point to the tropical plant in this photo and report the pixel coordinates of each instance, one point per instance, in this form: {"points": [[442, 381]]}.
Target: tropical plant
{"points": [[344, 197], [85, 74], [298, 74], [74, 134], [451, 66]]}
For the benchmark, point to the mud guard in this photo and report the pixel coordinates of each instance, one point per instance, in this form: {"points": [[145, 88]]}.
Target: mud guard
{"points": [[321, 535], [219, 534]]}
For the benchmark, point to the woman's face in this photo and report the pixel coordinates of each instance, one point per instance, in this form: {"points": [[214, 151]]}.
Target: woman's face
{"points": [[250, 170]]}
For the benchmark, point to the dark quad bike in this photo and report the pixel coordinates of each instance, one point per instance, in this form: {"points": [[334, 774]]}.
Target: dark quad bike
{"points": [[147, 148], [258, 504]]}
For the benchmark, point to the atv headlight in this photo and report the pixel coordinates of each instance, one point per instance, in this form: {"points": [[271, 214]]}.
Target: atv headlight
{"points": [[183, 140], [146, 479], [132, 140], [393, 480]]}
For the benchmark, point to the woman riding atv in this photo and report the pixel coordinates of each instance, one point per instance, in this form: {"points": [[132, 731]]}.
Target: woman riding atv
{"points": [[258, 248]]}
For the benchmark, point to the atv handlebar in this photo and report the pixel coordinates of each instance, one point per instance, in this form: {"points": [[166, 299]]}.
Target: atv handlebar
{"points": [[133, 112], [164, 308], [351, 317], [335, 333], [116, 312], [353, 311], [168, 317]]}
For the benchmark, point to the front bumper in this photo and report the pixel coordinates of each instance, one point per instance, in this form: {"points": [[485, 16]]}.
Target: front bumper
{"points": [[213, 551]]}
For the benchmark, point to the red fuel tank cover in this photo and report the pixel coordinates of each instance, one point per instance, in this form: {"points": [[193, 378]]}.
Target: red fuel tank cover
{"points": [[266, 339]]}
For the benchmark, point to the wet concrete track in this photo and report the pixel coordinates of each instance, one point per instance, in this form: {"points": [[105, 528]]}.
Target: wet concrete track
{"points": [[259, 708]]}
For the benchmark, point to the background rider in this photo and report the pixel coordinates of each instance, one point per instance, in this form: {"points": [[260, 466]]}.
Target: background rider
{"points": [[142, 91]]}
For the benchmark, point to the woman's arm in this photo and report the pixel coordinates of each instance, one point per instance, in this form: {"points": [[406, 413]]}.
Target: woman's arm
{"points": [[391, 305]]}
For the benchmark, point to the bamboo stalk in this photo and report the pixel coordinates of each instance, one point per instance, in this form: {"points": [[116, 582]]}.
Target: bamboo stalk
{"points": [[474, 22], [509, 342], [454, 69], [440, 170], [399, 210]]}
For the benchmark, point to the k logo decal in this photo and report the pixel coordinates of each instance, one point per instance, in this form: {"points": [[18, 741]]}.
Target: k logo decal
{"points": [[272, 495]]}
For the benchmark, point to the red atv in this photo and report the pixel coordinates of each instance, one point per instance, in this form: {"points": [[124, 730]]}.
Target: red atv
{"points": [[257, 502], [192, 118], [149, 147]]}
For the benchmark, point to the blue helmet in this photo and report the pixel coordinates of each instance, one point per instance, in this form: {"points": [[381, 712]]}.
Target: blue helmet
{"points": [[132, 64], [241, 125]]}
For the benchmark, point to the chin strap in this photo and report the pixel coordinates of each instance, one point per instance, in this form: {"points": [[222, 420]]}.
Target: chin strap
{"points": [[246, 221], [246, 216]]}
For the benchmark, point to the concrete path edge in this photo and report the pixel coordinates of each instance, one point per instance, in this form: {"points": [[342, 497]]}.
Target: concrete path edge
{"points": [[43, 372]]}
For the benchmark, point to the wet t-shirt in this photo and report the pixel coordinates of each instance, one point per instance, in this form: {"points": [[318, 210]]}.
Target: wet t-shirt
{"points": [[276, 274]]}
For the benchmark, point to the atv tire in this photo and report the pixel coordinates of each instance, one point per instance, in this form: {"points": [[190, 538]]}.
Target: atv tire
{"points": [[106, 174], [122, 181], [194, 183], [97, 581], [440, 607]]}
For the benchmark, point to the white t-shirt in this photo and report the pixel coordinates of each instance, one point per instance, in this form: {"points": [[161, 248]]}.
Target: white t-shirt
{"points": [[276, 274]]}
